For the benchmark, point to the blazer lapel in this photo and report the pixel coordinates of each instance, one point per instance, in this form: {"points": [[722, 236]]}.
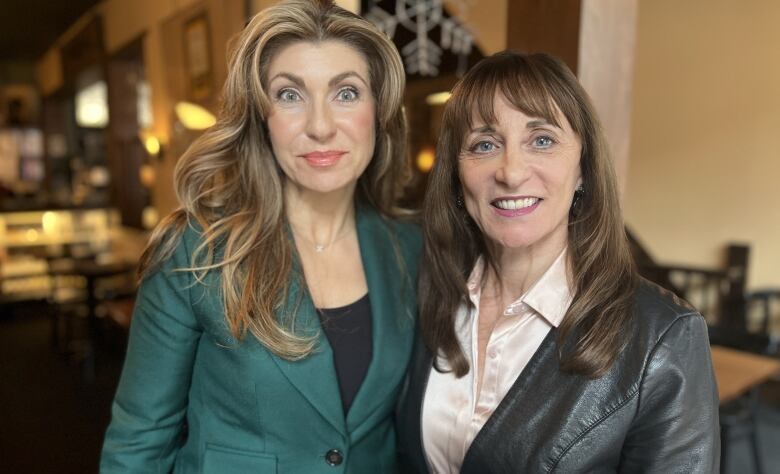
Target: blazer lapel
{"points": [[314, 376], [391, 325]]}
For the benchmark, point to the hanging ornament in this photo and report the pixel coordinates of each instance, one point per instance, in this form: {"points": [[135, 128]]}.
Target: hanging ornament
{"points": [[422, 55]]}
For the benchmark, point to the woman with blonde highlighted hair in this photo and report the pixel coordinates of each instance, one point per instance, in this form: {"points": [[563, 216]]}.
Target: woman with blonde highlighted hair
{"points": [[274, 320]]}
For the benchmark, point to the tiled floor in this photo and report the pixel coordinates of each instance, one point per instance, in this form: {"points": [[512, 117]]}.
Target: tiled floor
{"points": [[51, 421]]}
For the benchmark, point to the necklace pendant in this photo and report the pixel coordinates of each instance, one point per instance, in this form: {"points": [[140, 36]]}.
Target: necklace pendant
{"points": [[319, 248]]}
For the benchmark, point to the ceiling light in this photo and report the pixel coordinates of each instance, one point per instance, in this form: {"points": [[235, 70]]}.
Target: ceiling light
{"points": [[193, 116]]}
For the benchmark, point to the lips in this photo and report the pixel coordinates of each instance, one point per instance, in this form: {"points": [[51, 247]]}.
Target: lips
{"points": [[515, 206], [323, 159]]}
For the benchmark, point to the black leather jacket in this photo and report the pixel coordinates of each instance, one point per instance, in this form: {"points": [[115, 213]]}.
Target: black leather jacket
{"points": [[656, 410]]}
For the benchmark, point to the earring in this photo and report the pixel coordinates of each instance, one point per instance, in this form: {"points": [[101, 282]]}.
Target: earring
{"points": [[459, 201], [575, 203]]}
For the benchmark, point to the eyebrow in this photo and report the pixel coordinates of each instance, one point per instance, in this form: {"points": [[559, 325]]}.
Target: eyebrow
{"points": [[340, 77], [484, 129], [298, 81], [529, 125], [290, 77], [539, 123]]}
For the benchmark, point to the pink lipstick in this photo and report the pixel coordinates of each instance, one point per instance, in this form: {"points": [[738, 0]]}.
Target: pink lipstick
{"points": [[515, 206], [323, 159]]}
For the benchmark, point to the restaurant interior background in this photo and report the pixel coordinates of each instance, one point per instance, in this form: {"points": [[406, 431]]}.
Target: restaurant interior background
{"points": [[99, 99]]}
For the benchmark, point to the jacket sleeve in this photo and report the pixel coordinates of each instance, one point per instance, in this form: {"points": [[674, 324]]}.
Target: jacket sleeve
{"points": [[676, 428], [148, 412]]}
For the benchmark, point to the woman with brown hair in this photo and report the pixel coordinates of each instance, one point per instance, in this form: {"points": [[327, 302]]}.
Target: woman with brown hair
{"points": [[544, 351], [274, 321]]}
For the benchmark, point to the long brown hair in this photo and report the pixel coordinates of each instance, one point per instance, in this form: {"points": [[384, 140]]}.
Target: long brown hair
{"points": [[229, 184], [594, 329]]}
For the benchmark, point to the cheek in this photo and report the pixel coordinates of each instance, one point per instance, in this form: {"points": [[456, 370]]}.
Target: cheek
{"points": [[470, 189], [283, 127], [361, 124], [277, 130], [470, 181], [561, 179], [280, 135]]}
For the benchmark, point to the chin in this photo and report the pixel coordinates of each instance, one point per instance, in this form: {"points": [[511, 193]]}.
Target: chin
{"points": [[328, 184], [514, 236], [515, 243]]}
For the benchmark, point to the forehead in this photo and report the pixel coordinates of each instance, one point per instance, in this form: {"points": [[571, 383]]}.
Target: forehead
{"points": [[324, 59], [500, 110]]}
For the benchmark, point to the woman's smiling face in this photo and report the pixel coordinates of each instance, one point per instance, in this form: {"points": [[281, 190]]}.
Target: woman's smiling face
{"points": [[518, 176]]}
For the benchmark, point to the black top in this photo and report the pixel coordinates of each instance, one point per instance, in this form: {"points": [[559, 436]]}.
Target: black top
{"points": [[348, 330]]}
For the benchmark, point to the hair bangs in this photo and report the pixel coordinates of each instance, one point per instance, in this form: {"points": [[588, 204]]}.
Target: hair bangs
{"points": [[473, 100], [604, 275]]}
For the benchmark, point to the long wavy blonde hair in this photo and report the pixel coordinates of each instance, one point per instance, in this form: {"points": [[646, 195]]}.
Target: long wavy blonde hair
{"points": [[229, 183]]}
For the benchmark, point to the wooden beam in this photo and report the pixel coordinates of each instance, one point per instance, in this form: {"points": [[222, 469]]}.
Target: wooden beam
{"points": [[549, 26]]}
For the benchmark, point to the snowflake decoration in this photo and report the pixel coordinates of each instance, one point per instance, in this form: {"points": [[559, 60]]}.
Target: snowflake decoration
{"points": [[422, 55]]}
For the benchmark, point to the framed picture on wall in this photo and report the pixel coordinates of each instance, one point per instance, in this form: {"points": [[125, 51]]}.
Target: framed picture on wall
{"points": [[197, 56]]}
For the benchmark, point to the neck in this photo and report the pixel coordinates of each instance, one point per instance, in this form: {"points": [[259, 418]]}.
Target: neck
{"points": [[518, 269], [319, 217]]}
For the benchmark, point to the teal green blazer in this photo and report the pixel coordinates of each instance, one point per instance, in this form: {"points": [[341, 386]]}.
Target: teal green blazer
{"points": [[192, 399]]}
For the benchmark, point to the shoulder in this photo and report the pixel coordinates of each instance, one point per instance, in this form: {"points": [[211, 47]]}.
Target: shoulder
{"points": [[663, 323], [658, 316], [656, 310], [172, 245], [676, 392], [191, 236]]}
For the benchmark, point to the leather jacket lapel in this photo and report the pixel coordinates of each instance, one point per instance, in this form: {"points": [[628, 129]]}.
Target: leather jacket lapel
{"points": [[544, 363]]}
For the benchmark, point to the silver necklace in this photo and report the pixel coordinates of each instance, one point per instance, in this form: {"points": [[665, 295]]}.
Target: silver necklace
{"points": [[319, 248]]}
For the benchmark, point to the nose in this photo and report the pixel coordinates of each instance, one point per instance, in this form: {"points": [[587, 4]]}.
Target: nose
{"points": [[320, 125], [513, 168]]}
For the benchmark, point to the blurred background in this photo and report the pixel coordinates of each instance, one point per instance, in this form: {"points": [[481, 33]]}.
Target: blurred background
{"points": [[98, 99]]}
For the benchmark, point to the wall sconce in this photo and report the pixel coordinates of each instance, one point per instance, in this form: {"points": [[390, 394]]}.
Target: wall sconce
{"points": [[154, 149], [193, 116], [439, 98], [152, 144], [425, 159]]}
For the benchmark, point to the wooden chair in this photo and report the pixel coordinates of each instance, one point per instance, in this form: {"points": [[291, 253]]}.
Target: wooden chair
{"points": [[763, 310], [67, 303], [719, 294], [706, 289]]}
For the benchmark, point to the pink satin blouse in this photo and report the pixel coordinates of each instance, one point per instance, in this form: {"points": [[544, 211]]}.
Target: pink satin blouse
{"points": [[453, 413]]}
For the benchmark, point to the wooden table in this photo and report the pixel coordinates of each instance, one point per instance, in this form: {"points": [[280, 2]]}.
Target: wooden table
{"points": [[92, 271], [737, 371]]}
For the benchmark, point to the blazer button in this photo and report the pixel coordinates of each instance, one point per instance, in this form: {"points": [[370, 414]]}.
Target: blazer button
{"points": [[334, 457]]}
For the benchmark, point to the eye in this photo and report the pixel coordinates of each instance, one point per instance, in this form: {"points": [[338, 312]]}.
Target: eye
{"points": [[543, 141], [482, 146], [288, 95], [347, 94]]}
